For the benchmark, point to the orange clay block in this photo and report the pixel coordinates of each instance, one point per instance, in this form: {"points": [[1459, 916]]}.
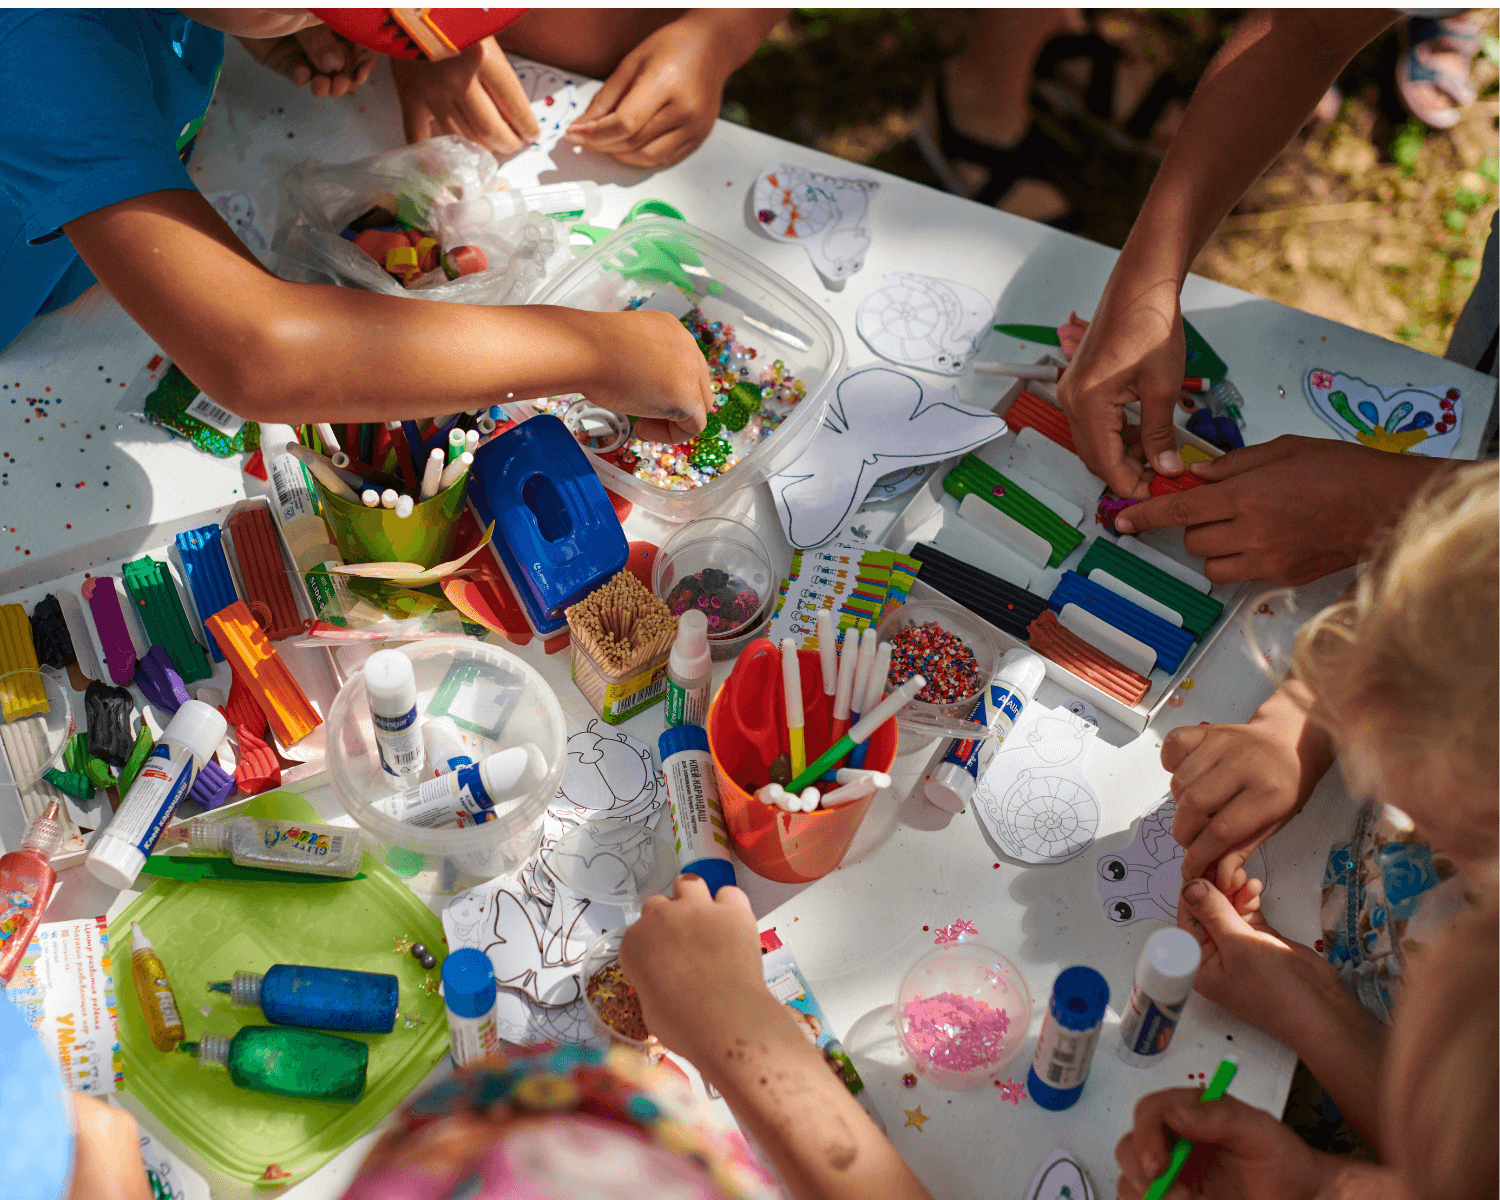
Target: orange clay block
{"points": [[254, 660], [1166, 485], [22, 697], [1047, 636], [258, 551], [1032, 412]]}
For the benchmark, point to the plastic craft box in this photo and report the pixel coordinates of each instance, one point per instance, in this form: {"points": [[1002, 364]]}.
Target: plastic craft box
{"points": [[767, 312]]}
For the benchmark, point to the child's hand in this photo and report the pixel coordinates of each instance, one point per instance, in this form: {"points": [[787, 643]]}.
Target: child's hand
{"points": [[473, 95], [106, 1154], [662, 100], [694, 961], [1240, 1153], [316, 56], [1235, 786], [650, 367]]}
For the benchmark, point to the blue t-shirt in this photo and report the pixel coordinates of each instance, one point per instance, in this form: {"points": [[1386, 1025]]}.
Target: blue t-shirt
{"points": [[100, 106], [36, 1152]]}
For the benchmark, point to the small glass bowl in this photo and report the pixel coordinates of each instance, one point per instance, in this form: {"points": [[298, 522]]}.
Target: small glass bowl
{"points": [[963, 1012], [728, 545], [951, 719], [605, 950]]}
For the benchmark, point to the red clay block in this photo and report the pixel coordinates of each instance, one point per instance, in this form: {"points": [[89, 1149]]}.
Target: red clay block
{"points": [[1166, 485], [258, 551], [1032, 412]]}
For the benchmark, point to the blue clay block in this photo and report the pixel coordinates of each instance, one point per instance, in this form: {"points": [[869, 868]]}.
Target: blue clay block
{"points": [[208, 576], [1170, 642]]}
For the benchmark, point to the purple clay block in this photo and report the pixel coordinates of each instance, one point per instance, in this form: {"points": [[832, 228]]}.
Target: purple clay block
{"points": [[213, 786], [114, 634], [1109, 508], [159, 681]]}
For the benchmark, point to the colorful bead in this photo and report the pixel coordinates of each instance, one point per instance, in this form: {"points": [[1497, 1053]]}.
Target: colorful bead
{"points": [[939, 656]]}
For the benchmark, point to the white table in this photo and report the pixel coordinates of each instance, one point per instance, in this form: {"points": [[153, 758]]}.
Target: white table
{"points": [[856, 931]]}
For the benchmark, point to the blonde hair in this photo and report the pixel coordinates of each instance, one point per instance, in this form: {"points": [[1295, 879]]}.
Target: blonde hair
{"points": [[1410, 665], [1442, 1102]]}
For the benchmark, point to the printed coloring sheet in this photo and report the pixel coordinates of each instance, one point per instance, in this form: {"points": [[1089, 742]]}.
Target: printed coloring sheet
{"points": [[925, 322], [1032, 797], [825, 214]]}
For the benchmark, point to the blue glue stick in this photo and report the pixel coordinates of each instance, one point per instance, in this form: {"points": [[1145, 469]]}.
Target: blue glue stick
{"points": [[1070, 1031], [951, 786], [698, 830]]}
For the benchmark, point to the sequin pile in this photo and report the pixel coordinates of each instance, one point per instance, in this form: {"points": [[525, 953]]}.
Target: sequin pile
{"points": [[955, 1032], [940, 657], [748, 407], [616, 1002], [726, 600]]}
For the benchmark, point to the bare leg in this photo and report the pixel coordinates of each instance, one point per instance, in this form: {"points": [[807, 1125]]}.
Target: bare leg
{"points": [[988, 84], [590, 41]]}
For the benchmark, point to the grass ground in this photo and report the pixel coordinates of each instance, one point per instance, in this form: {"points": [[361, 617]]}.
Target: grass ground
{"points": [[1372, 220]]}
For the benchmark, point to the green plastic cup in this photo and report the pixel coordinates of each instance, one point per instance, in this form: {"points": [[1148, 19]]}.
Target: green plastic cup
{"points": [[427, 537]]}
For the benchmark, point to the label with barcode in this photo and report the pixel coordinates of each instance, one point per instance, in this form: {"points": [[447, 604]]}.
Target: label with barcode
{"points": [[1063, 1055], [785, 987], [212, 414], [623, 700]]}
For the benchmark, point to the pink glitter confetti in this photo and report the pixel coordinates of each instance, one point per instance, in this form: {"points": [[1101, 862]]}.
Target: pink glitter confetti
{"points": [[954, 1032], [1322, 380], [997, 975], [951, 933], [1011, 1090]]}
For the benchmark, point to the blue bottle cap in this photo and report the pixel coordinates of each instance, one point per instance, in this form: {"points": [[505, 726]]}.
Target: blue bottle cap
{"points": [[469, 983], [1079, 998], [680, 738], [716, 872]]}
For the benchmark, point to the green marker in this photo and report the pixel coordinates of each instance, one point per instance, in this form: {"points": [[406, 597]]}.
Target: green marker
{"points": [[862, 729], [1215, 1090]]}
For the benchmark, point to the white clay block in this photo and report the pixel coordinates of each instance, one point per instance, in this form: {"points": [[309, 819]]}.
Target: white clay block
{"points": [[1033, 547], [1063, 507], [973, 545], [1150, 603], [1119, 645], [1168, 564], [1038, 456]]}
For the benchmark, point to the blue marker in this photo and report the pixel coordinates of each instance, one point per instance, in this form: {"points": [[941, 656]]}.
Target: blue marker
{"points": [[698, 831]]}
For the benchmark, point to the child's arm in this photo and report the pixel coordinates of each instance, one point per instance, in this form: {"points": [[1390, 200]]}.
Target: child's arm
{"points": [[1236, 785], [662, 100], [269, 350], [695, 963]]}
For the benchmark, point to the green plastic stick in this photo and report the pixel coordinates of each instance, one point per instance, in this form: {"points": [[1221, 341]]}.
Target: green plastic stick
{"points": [[1217, 1086]]}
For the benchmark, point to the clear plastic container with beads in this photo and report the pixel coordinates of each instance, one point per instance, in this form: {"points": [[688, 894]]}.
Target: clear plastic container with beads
{"points": [[962, 1014], [786, 354], [920, 718]]}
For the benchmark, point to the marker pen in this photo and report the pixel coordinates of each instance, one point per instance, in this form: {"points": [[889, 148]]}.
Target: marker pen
{"points": [[951, 786], [698, 830]]}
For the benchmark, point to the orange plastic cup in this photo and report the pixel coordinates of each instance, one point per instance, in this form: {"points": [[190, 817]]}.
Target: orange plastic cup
{"points": [[787, 847]]}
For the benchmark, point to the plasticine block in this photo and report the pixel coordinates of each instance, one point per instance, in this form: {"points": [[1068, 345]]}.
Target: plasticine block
{"points": [[23, 697], [1170, 643], [427, 254], [208, 576], [76, 753], [259, 769], [1048, 638], [1002, 604], [263, 571], [377, 243], [150, 586], [49, 634], [242, 710], [213, 786], [75, 783], [143, 743], [1167, 485], [253, 659], [1027, 411], [98, 773], [108, 711], [465, 260], [159, 681], [975, 477], [401, 260], [1198, 612]]}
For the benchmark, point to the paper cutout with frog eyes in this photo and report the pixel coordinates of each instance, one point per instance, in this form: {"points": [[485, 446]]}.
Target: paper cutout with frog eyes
{"points": [[1032, 797], [1145, 879], [825, 214], [924, 322], [1408, 420]]}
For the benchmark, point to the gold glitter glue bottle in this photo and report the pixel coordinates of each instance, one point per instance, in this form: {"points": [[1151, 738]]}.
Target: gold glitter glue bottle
{"points": [[154, 990]]}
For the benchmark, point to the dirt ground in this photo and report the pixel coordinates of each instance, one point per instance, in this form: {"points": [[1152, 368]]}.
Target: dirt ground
{"points": [[1372, 220]]}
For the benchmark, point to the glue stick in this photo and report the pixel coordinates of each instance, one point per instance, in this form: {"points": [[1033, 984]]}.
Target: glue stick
{"points": [[951, 786], [565, 201], [1163, 979], [688, 671], [1070, 1031], [698, 830], [392, 685], [297, 511], [469, 794]]}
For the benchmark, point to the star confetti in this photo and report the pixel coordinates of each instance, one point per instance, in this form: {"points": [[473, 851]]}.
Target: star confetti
{"points": [[1011, 1090], [411, 1021], [915, 1116], [404, 944], [430, 985], [951, 933]]}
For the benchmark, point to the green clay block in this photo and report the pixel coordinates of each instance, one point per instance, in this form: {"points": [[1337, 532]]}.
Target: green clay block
{"points": [[76, 753], [143, 744], [80, 787], [973, 476], [98, 773], [1199, 612], [160, 609]]}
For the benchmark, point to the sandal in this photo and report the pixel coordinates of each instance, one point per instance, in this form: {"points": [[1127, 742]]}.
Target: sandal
{"points": [[1426, 75], [1005, 164]]}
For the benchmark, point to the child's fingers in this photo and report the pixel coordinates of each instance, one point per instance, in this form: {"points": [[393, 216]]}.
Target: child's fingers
{"points": [[605, 99], [489, 128], [621, 129], [323, 48], [1181, 742], [670, 148]]}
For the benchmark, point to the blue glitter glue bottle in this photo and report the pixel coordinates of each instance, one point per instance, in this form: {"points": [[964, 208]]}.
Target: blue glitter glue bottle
{"points": [[1070, 1030], [317, 997]]}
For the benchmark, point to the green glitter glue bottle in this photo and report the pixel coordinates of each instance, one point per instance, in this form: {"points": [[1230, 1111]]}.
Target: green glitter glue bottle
{"points": [[301, 1063]]}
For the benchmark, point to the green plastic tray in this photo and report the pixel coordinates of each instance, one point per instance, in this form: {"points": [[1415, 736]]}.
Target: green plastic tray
{"points": [[209, 929]]}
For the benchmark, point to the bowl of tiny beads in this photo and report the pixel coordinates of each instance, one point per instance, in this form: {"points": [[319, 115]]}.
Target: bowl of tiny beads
{"points": [[952, 649], [773, 357], [719, 565]]}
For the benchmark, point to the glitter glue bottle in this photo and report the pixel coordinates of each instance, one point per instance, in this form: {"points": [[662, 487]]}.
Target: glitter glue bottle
{"points": [[951, 786], [1070, 1031], [26, 882], [1163, 979], [689, 671], [698, 830], [469, 792], [392, 685], [276, 845], [300, 1063], [189, 741], [317, 997], [469, 992], [154, 990]]}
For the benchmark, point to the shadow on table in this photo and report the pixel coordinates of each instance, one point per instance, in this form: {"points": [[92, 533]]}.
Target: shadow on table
{"points": [[1060, 901]]}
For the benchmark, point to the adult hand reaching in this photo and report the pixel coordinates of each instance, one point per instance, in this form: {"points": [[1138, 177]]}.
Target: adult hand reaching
{"points": [[1288, 511], [316, 57], [473, 95]]}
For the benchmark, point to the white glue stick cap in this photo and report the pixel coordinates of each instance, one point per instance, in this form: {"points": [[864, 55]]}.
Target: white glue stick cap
{"points": [[506, 772], [690, 657], [198, 726], [1168, 965], [1024, 671], [391, 682]]}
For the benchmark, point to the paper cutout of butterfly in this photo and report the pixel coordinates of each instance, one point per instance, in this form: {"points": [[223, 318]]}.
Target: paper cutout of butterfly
{"points": [[1409, 420]]}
